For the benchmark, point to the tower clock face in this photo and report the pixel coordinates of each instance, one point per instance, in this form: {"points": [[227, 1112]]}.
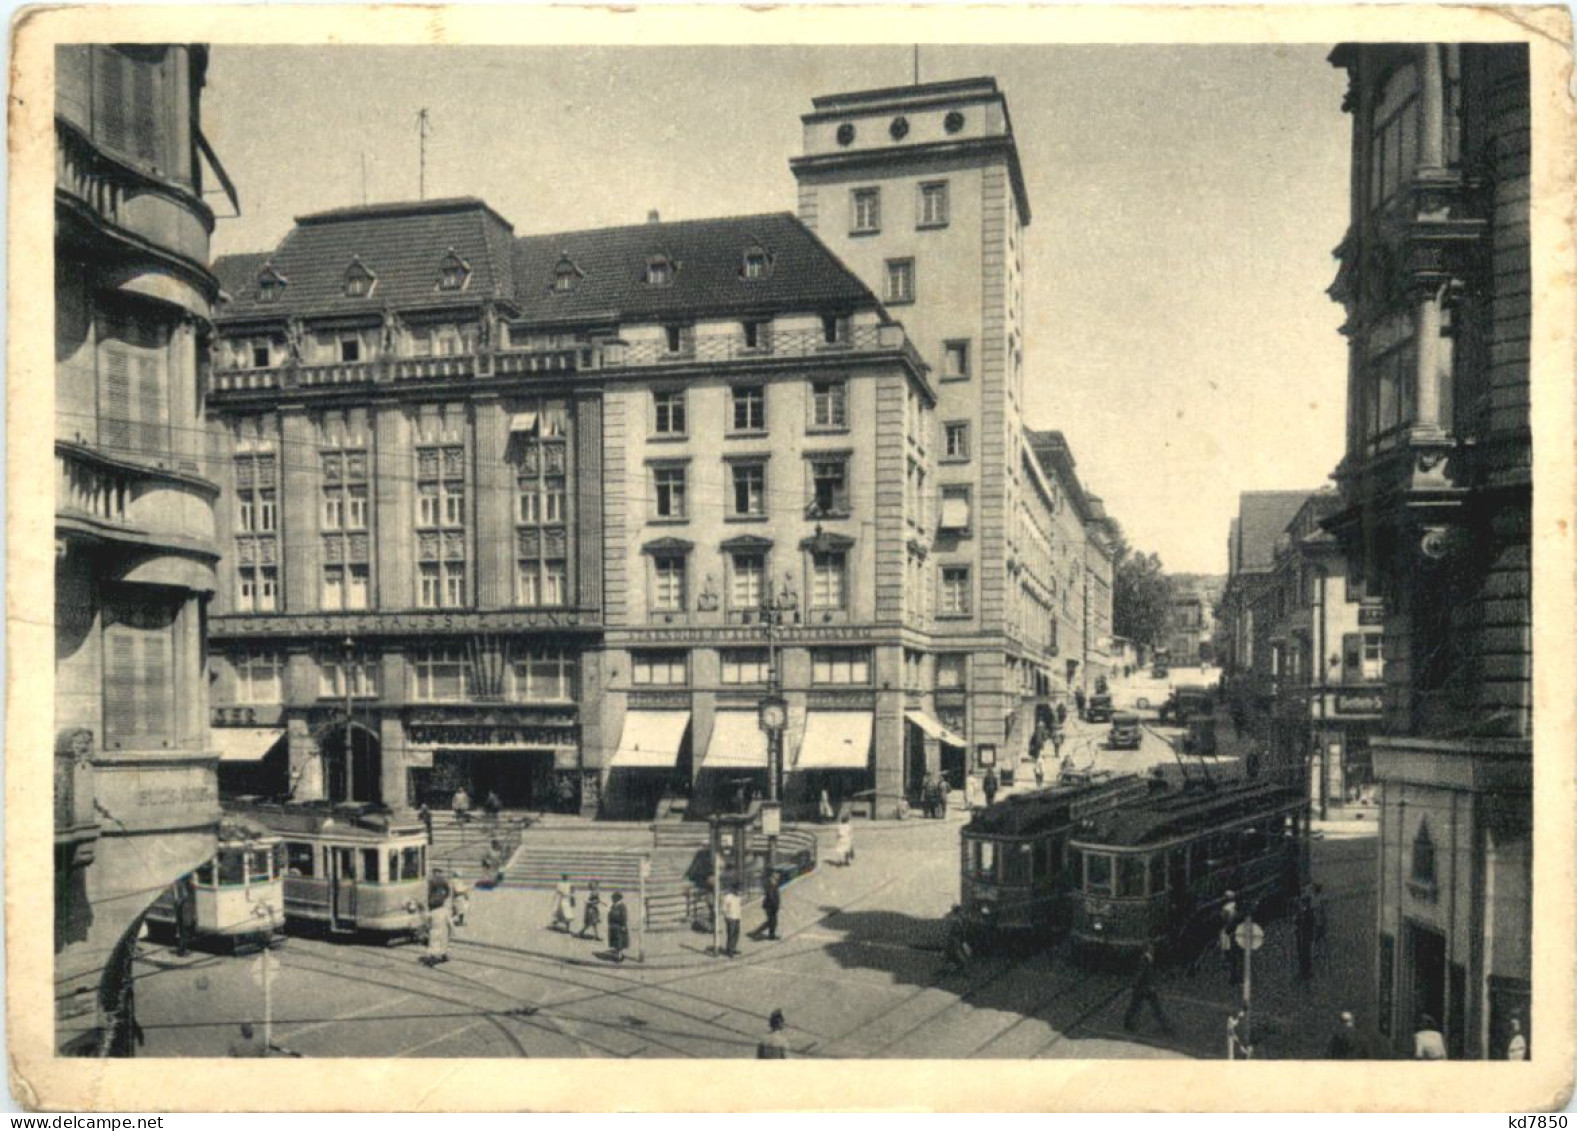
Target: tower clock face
{"points": [[773, 716]]}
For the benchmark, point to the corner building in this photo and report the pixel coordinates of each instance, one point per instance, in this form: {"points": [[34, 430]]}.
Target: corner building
{"points": [[1436, 489], [919, 190], [135, 803]]}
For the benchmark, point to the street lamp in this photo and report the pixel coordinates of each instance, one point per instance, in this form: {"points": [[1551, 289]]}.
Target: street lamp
{"points": [[775, 612], [350, 762]]}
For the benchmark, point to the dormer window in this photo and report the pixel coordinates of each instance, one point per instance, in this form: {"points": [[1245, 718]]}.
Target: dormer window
{"points": [[359, 282], [659, 271], [757, 264], [453, 272], [270, 284], [566, 275]]}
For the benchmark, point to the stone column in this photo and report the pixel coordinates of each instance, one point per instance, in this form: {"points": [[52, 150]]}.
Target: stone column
{"points": [[495, 532], [393, 499], [1431, 97], [1428, 376], [298, 511]]}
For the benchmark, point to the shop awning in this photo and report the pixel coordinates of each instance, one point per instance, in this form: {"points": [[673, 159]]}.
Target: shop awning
{"points": [[650, 740], [955, 513], [244, 744], [522, 422], [935, 728], [835, 740], [738, 742]]}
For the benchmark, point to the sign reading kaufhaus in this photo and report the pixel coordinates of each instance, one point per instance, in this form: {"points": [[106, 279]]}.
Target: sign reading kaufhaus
{"points": [[406, 623], [747, 634]]}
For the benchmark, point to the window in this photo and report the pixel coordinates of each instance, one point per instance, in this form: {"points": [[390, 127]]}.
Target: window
{"points": [[829, 404], [262, 357], [828, 579], [359, 281], [453, 272], [1373, 657], [1130, 877], [955, 591], [300, 860], [1393, 135], [1016, 863], [840, 666], [139, 671], [659, 272], [668, 416], [333, 591], [442, 674], [900, 280], [750, 408], [441, 585], [950, 670], [750, 489], [1098, 873], [133, 365], [257, 589], [1390, 373], [440, 487], [867, 203], [834, 329], [745, 665], [659, 669], [955, 440], [668, 582], [747, 580], [955, 361], [257, 510], [829, 486], [756, 264], [955, 508], [133, 109], [333, 672], [933, 205], [1423, 873], [758, 334], [350, 349], [679, 339], [544, 675], [668, 487], [565, 276], [983, 859], [258, 677]]}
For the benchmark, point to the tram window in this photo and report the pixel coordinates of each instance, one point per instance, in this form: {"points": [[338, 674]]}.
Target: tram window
{"points": [[1198, 858], [1045, 860], [257, 864], [1157, 874], [411, 858], [279, 860], [1251, 843], [394, 866], [369, 864], [1016, 864], [231, 868], [205, 874], [1075, 866], [1130, 877], [983, 859], [1098, 873], [301, 860]]}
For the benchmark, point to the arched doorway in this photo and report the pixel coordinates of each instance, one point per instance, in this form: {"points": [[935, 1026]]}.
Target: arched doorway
{"points": [[354, 773]]}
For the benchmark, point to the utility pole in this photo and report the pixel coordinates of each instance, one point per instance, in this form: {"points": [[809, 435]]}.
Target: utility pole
{"points": [[774, 716], [350, 761], [423, 127]]}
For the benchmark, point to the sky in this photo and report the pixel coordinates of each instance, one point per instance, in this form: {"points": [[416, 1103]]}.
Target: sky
{"points": [[1186, 201]]}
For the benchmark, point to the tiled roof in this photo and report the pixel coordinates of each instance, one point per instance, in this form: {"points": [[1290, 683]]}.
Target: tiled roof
{"points": [[402, 245], [708, 277], [1262, 517]]}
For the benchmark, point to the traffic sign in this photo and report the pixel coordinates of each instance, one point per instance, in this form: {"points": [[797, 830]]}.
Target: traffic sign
{"points": [[1249, 935]]}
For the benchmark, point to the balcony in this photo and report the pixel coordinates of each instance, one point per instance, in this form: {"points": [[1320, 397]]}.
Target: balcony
{"points": [[712, 348], [102, 496]]}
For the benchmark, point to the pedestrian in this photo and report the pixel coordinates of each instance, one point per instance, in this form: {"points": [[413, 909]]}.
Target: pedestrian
{"points": [[248, 1046], [460, 901], [1303, 928], [1428, 1042], [1144, 993], [942, 788], [1062, 715], [990, 786], [1065, 767], [492, 804], [733, 911], [1040, 774], [845, 849], [425, 816], [824, 808], [955, 944], [1078, 701], [438, 923], [771, 901], [774, 1046], [462, 806], [1344, 1042], [1226, 940], [1240, 1043], [1517, 1044], [618, 927], [563, 905], [591, 916], [184, 910], [566, 794], [437, 889]]}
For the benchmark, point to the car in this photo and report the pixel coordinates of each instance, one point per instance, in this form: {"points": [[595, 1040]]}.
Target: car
{"points": [[1125, 733], [1187, 702], [1098, 709]]}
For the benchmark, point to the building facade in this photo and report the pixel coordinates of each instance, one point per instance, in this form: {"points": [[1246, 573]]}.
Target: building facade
{"points": [[136, 804], [1191, 619], [1436, 486], [919, 190]]}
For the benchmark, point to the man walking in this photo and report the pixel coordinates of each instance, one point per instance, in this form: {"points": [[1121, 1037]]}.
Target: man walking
{"points": [[990, 786], [618, 927], [1078, 701], [774, 1046], [1344, 1042], [733, 911], [771, 900], [1144, 993]]}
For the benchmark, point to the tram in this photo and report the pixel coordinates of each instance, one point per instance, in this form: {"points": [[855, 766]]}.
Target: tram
{"points": [[235, 900], [1013, 871], [351, 868], [1156, 873]]}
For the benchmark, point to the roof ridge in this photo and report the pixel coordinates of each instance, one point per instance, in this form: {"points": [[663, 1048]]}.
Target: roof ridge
{"points": [[656, 224]]}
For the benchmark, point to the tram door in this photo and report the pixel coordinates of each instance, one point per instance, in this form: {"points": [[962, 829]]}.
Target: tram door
{"points": [[342, 889]]}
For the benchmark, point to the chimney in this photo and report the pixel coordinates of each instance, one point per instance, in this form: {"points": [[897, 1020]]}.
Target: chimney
{"points": [[652, 217]]}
